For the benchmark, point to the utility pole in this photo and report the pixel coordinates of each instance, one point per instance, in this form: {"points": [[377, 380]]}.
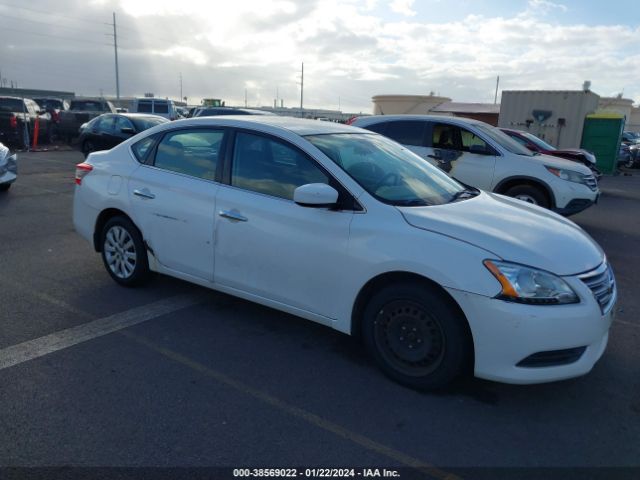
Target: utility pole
{"points": [[301, 89], [245, 98], [495, 98], [115, 46], [180, 86]]}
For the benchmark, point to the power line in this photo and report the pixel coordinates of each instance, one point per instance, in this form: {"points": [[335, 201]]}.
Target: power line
{"points": [[76, 19], [79, 40]]}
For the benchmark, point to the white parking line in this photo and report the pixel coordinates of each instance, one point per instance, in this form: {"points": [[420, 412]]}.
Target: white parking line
{"points": [[54, 342]]}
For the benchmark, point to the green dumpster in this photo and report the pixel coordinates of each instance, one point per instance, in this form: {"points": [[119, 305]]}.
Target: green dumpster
{"points": [[601, 135]]}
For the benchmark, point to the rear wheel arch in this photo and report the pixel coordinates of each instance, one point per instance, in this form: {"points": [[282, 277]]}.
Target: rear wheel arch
{"points": [[511, 182], [102, 220]]}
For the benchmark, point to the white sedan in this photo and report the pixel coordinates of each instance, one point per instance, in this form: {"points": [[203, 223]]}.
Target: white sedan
{"points": [[344, 227], [8, 168]]}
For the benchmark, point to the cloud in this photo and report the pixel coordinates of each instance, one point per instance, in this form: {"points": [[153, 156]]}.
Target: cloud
{"points": [[403, 7], [349, 49]]}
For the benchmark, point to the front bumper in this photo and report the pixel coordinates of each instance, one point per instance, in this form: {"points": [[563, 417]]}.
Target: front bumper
{"points": [[506, 333], [576, 205]]}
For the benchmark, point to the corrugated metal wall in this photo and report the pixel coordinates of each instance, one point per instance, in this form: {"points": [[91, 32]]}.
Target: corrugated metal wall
{"points": [[517, 106]]}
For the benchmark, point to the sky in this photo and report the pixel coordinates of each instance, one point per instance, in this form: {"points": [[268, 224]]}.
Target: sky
{"points": [[351, 49]]}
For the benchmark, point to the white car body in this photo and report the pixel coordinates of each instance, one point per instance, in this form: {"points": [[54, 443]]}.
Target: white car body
{"points": [[8, 167], [495, 173], [314, 262]]}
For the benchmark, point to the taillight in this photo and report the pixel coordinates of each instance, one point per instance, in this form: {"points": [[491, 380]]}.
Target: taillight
{"points": [[82, 169], [13, 122]]}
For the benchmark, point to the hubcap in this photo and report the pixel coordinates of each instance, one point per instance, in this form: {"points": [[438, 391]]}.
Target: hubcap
{"points": [[120, 252], [409, 338], [526, 198]]}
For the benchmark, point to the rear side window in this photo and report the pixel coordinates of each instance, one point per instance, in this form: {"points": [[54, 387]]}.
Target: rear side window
{"points": [[142, 148], [145, 107], [407, 132], [190, 152], [104, 123], [161, 107]]}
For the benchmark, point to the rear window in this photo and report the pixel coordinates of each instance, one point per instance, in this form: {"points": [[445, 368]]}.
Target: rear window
{"points": [[161, 107], [88, 106], [11, 105], [407, 132], [145, 107], [143, 123], [48, 103], [378, 127]]}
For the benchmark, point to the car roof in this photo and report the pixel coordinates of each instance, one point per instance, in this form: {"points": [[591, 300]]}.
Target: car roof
{"points": [[299, 126], [373, 119], [136, 115]]}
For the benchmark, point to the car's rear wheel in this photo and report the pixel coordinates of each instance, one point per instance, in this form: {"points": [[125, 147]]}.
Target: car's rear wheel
{"points": [[87, 147], [5, 186], [123, 252], [416, 337], [529, 194]]}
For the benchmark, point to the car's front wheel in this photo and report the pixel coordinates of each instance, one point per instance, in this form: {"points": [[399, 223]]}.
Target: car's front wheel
{"points": [[416, 337], [123, 252], [529, 194]]}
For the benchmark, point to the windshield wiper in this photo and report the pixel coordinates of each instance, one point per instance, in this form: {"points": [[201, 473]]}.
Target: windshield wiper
{"points": [[416, 202]]}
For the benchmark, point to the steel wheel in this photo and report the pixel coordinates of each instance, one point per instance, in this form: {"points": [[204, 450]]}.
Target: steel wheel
{"points": [[120, 252], [409, 338]]}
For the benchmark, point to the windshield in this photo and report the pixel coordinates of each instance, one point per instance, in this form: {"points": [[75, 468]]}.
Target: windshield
{"points": [[11, 105], [143, 123], [388, 171], [538, 141], [502, 139]]}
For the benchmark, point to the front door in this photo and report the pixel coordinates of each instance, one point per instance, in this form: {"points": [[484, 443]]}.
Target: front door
{"points": [[266, 244], [174, 200]]}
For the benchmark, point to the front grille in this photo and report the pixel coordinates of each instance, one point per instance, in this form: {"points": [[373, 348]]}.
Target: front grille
{"points": [[591, 182], [602, 284], [552, 358]]}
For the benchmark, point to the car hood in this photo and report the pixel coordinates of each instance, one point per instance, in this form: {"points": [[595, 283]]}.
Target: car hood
{"points": [[575, 151], [559, 162], [513, 231]]}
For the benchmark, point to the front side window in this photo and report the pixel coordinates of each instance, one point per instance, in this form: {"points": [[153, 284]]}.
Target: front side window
{"points": [[386, 170], [271, 167], [190, 152]]}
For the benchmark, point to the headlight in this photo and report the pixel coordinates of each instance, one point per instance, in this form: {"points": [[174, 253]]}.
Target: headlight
{"points": [[568, 175], [529, 285]]}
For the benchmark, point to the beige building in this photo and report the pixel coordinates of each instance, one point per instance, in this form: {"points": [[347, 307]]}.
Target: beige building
{"points": [[434, 105]]}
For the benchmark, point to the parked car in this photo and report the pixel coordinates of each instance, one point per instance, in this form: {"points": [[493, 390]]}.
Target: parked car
{"points": [[537, 145], [108, 130], [214, 111], [630, 138], [480, 155], [18, 118], [53, 106], [626, 155], [8, 168], [349, 229], [157, 106], [80, 112]]}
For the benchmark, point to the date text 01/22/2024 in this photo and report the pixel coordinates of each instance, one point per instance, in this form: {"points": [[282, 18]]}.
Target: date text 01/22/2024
{"points": [[315, 472]]}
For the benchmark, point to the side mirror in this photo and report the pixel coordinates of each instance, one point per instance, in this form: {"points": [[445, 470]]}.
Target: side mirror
{"points": [[128, 130], [315, 195]]}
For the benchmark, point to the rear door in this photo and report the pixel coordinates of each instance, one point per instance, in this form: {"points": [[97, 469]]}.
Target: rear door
{"points": [[174, 199], [463, 154]]}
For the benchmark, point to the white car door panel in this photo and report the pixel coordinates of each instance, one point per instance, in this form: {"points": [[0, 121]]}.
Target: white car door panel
{"points": [[176, 215]]}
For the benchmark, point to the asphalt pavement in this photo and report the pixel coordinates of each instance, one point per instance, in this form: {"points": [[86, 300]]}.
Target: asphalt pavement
{"points": [[174, 375]]}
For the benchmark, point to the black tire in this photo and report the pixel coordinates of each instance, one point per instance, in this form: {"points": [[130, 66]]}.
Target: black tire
{"points": [[47, 138], [418, 338], [87, 147], [530, 194], [123, 252], [5, 186]]}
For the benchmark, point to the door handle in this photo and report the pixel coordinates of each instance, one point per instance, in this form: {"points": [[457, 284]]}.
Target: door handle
{"points": [[144, 193], [231, 215]]}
